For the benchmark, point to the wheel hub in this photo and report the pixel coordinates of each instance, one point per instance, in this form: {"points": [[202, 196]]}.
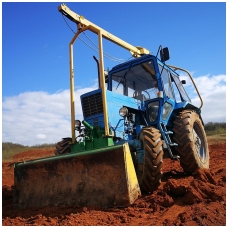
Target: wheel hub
{"points": [[199, 146]]}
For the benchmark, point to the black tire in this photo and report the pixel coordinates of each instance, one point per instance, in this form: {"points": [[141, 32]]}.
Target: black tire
{"points": [[150, 173], [63, 147], [189, 134]]}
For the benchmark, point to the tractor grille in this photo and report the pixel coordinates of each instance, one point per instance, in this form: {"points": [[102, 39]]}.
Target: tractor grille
{"points": [[92, 105]]}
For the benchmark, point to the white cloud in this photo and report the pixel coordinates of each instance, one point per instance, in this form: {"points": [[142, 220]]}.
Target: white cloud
{"points": [[213, 92], [39, 117], [41, 136], [32, 118]]}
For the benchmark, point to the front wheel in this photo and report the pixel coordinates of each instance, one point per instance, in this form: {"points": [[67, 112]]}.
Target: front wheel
{"points": [[191, 138], [150, 171]]}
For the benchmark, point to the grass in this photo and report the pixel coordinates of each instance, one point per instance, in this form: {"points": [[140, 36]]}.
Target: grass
{"points": [[10, 149], [218, 131], [216, 139]]}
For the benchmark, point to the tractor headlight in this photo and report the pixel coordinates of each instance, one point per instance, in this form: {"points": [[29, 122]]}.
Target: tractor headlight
{"points": [[153, 111], [77, 124], [123, 111]]}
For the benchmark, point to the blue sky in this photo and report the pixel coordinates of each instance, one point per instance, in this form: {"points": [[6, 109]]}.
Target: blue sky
{"points": [[35, 57]]}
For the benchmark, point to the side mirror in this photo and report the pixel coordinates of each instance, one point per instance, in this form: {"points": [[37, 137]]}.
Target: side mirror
{"points": [[164, 54], [183, 82]]}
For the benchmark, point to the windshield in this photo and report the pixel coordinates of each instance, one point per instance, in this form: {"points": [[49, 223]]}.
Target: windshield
{"points": [[138, 81]]}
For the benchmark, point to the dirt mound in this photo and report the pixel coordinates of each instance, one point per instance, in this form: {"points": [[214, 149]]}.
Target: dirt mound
{"points": [[203, 188], [181, 199], [7, 174], [33, 154]]}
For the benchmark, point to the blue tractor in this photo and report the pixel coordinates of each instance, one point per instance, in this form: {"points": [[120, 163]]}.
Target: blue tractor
{"points": [[139, 115], [141, 102], [150, 110]]}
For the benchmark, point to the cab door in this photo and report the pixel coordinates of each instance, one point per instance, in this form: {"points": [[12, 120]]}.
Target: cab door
{"points": [[168, 95]]}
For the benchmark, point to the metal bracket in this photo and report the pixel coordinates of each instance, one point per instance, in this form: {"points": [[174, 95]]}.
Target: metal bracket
{"points": [[165, 135]]}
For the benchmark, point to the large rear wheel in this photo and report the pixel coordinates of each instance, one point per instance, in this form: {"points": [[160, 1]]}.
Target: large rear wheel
{"points": [[150, 172], [191, 138]]}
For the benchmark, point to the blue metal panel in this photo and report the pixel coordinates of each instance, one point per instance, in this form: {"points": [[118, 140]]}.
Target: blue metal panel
{"points": [[122, 100], [116, 101], [181, 105], [126, 64], [138, 129]]}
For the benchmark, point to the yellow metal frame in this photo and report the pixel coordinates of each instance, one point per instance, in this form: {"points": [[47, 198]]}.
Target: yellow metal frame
{"points": [[83, 25], [178, 68], [135, 50], [72, 83]]}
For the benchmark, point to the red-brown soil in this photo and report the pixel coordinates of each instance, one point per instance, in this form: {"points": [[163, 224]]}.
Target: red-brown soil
{"points": [[181, 199]]}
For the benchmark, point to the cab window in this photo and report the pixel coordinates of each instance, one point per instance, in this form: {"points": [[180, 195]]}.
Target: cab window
{"points": [[166, 82]]}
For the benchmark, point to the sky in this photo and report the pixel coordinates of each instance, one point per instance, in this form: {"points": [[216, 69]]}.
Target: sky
{"points": [[35, 58]]}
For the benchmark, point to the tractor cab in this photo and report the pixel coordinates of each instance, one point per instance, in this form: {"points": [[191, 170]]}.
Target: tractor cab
{"points": [[152, 83], [136, 79]]}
